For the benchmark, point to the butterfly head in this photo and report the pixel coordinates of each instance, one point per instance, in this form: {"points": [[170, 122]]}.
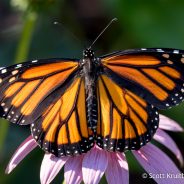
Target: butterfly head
{"points": [[88, 53]]}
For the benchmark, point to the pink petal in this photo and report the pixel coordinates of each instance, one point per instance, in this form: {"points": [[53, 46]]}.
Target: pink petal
{"points": [[156, 162], [117, 169], [168, 142], [50, 167], [73, 170], [169, 124], [23, 150], [94, 165]]}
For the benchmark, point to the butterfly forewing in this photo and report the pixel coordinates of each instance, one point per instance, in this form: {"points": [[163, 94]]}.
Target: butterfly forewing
{"points": [[154, 74], [24, 86]]}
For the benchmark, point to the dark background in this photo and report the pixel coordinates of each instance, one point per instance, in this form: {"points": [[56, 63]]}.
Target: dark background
{"points": [[27, 33]]}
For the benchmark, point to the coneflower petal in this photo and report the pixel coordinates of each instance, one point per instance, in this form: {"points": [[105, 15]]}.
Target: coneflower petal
{"points": [[157, 163], [50, 167], [73, 170], [22, 151], [94, 165], [117, 169], [169, 124], [163, 138]]}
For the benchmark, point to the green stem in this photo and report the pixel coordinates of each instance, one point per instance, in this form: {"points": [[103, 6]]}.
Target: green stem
{"points": [[21, 55], [25, 40], [3, 133]]}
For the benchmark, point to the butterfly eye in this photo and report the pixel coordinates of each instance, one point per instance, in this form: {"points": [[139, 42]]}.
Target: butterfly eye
{"points": [[88, 53], [85, 54]]}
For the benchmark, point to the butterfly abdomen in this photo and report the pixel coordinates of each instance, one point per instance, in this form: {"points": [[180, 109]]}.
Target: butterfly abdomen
{"points": [[91, 104]]}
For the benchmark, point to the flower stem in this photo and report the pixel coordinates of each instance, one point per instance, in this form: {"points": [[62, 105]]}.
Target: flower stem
{"points": [[21, 55], [25, 40]]}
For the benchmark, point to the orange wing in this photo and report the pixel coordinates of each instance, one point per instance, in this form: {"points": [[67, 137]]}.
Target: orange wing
{"points": [[27, 89], [154, 74], [125, 121], [62, 129]]}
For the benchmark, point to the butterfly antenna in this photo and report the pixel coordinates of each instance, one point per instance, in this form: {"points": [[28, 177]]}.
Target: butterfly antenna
{"points": [[67, 31], [113, 20]]}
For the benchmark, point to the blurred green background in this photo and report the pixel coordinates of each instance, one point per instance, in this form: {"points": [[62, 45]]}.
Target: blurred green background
{"points": [[27, 33]]}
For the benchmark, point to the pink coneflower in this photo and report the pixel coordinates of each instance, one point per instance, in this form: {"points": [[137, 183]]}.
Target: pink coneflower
{"points": [[90, 167]]}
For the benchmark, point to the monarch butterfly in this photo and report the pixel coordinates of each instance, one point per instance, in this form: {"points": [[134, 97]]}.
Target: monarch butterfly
{"points": [[111, 101]]}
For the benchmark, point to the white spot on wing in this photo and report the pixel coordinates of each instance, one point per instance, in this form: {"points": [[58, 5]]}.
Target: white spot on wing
{"points": [[160, 50], [182, 60], [3, 104], [169, 62], [12, 79], [176, 51], [4, 71], [90, 138], [15, 72], [18, 66]]}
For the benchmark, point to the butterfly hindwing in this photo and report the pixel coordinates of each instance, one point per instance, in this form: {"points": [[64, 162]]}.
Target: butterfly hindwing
{"points": [[156, 75], [62, 129], [126, 121], [24, 87]]}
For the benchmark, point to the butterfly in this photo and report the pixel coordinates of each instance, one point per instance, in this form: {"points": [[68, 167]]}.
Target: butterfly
{"points": [[111, 101]]}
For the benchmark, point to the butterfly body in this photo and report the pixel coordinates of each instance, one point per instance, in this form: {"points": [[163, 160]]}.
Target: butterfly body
{"points": [[90, 71], [111, 101]]}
